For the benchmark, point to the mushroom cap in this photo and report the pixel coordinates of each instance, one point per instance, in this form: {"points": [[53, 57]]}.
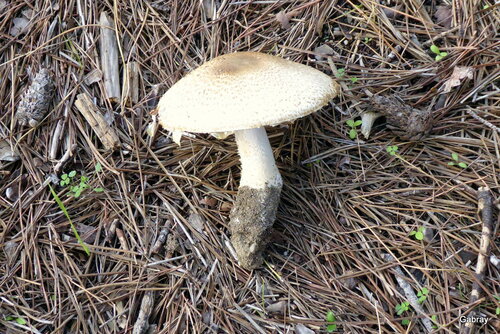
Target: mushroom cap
{"points": [[244, 90]]}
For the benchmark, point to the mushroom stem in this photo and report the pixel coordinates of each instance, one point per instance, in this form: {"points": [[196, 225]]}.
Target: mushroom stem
{"points": [[368, 118], [254, 212]]}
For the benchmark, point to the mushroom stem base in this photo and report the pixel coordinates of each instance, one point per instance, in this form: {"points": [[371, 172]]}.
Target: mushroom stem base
{"points": [[251, 223]]}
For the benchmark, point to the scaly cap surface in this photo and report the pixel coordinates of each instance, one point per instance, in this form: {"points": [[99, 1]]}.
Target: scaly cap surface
{"points": [[244, 90]]}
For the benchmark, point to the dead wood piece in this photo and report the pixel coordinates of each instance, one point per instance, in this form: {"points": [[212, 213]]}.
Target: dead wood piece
{"points": [[162, 237], [406, 122], [486, 209], [141, 325], [131, 83], [36, 99], [109, 58], [91, 113], [409, 293]]}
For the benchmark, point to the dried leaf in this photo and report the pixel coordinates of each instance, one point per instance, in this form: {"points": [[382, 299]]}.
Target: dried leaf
{"points": [[323, 50], [196, 221], [20, 26], [283, 19], [278, 307], [458, 74], [443, 16]]}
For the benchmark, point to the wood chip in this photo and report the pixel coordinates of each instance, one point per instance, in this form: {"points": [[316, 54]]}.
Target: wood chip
{"points": [[92, 77], [131, 83], [109, 58], [92, 115]]}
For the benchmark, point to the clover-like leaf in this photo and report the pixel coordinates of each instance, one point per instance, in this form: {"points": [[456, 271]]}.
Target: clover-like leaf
{"points": [[463, 165], [358, 123], [72, 173], [330, 317], [435, 49], [353, 134], [350, 122]]}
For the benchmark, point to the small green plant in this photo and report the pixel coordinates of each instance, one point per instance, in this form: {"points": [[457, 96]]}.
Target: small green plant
{"points": [[418, 234], [439, 55], [456, 161], [78, 187], [368, 40], [19, 320], [340, 73], [354, 79], [497, 311], [405, 322], [330, 317], [434, 320], [422, 295], [353, 133], [403, 307], [392, 149]]}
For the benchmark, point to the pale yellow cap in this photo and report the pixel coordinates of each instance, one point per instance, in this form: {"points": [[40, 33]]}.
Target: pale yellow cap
{"points": [[244, 90]]}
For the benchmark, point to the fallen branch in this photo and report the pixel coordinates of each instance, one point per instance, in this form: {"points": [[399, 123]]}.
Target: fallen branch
{"points": [[162, 237], [486, 209], [147, 304]]}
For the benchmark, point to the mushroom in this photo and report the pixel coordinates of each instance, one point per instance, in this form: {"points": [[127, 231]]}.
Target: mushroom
{"points": [[241, 93]]}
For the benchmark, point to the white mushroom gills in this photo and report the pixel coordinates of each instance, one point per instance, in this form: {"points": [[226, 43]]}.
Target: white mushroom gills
{"points": [[258, 167]]}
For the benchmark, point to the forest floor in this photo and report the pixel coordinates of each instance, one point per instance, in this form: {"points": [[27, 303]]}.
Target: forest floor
{"points": [[376, 235]]}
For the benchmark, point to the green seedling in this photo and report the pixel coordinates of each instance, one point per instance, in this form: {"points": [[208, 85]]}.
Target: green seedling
{"points": [[434, 320], [330, 317], [456, 161], [439, 55], [405, 322], [19, 320], [78, 187], [392, 150], [403, 307], [340, 73], [368, 40], [418, 234], [354, 79], [422, 295], [353, 133]]}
